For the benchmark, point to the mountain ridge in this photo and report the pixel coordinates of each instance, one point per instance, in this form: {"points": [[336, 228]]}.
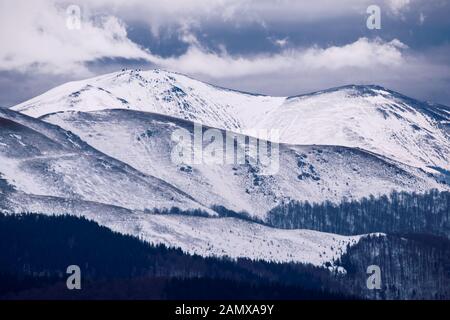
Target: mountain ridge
{"points": [[366, 116], [113, 165]]}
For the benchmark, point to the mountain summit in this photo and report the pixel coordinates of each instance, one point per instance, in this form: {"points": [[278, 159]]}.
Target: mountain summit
{"points": [[369, 117], [101, 148]]}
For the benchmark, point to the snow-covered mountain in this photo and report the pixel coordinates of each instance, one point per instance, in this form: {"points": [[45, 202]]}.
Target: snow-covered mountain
{"points": [[37, 158], [123, 158], [101, 148], [367, 117], [47, 169], [313, 173], [155, 91]]}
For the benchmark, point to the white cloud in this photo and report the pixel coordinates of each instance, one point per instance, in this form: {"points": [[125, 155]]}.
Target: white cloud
{"points": [[35, 35], [300, 70], [41, 41], [363, 54], [157, 13], [35, 39]]}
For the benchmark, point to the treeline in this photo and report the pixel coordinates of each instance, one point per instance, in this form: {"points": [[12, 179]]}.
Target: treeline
{"points": [[397, 212], [178, 211], [36, 250]]}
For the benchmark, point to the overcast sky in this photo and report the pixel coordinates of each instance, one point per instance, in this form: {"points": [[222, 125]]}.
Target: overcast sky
{"points": [[278, 47]]}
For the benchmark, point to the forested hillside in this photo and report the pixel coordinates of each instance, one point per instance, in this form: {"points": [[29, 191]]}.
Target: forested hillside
{"points": [[399, 212], [36, 250]]}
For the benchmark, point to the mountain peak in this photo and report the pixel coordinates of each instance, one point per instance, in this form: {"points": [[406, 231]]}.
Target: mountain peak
{"points": [[356, 115]]}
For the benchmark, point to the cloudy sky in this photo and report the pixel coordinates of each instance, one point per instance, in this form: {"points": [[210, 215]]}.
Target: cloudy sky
{"points": [[277, 47]]}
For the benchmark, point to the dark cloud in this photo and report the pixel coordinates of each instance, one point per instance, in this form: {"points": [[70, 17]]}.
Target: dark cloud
{"points": [[240, 37]]}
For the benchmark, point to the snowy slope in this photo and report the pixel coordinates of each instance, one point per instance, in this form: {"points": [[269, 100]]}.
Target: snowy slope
{"points": [[368, 117], [313, 173], [199, 235], [49, 161], [102, 146], [155, 91], [236, 238]]}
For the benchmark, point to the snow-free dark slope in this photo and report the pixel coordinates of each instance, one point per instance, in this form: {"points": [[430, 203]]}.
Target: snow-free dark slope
{"points": [[368, 117], [314, 173]]}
